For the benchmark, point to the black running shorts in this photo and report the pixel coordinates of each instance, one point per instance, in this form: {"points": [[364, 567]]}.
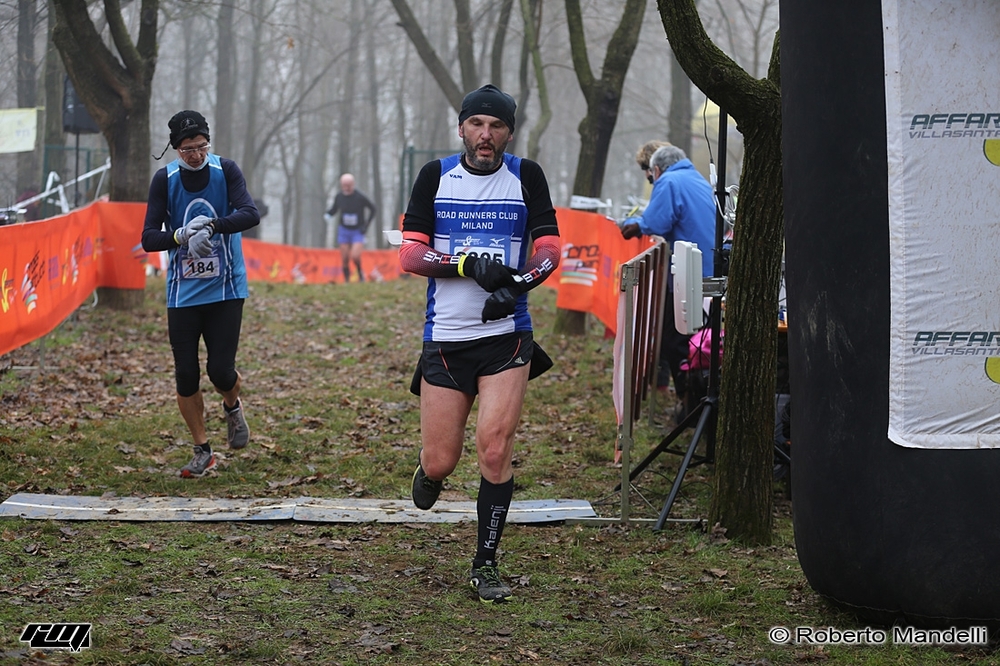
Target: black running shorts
{"points": [[458, 365]]}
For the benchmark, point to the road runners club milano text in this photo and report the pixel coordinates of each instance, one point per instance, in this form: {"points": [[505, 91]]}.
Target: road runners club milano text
{"points": [[478, 219]]}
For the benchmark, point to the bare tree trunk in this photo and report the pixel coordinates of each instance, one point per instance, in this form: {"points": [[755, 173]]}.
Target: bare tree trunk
{"points": [[496, 54], [55, 74], [428, 55], [743, 498], [603, 97], [523, 78], [116, 89], [374, 147], [193, 61], [400, 116], [679, 119], [314, 134], [225, 82], [248, 163], [347, 102], [289, 229], [466, 52], [531, 39], [27, 88]]}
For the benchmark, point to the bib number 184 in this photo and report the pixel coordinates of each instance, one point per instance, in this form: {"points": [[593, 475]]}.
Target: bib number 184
{"points": [[201, 268]]}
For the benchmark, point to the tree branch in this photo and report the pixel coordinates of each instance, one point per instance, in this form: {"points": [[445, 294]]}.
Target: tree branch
{"points": [[496, 55], [76, 28], [427, 54], [617, 58], [119, 33], [294, 109], [146, 43], [531, 39], [715, 73], [578, 48], [466, 51]]}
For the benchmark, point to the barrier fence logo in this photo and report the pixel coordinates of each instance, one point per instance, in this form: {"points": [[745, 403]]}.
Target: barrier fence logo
{"points": [[57, 636]]}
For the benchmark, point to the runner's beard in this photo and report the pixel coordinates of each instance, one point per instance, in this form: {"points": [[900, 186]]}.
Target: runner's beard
{"points": [[473, 158]]}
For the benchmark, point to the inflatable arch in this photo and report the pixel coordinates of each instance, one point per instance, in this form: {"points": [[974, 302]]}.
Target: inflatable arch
{"points": [[891, 116]]}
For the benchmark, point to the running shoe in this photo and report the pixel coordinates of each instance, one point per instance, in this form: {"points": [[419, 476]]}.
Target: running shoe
{"points": [[237, 431], [486, 581], [202, 462], [425, 491]]}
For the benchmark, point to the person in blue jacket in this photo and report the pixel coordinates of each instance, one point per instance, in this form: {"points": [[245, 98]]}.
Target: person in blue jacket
{"points": [[681, 208], [198, 206]]}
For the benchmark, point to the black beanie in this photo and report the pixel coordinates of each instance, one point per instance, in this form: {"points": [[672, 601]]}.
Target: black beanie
{"points": [[489, 101], [186, 124]]}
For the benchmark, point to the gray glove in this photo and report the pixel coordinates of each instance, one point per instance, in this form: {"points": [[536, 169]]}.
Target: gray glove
{"points": [[183, 235], [488, 274], [200, 244], [500, 304]]}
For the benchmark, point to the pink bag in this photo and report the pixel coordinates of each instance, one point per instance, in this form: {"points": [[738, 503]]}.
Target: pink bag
{"points": [[700, 349]]}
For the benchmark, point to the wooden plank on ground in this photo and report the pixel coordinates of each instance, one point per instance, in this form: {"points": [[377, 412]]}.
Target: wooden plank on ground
{"points": [[308, 509]]}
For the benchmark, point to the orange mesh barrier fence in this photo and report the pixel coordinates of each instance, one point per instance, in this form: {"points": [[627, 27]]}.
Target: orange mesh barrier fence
{"points": [[48, 268], [273, 262]]}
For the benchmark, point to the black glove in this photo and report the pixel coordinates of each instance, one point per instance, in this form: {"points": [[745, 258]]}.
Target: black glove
{"points": [[500, 304], [488, 274], [631, 231]]}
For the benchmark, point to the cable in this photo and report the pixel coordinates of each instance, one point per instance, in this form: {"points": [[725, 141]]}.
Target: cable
{"points": [[704, 124], [713, 177]]}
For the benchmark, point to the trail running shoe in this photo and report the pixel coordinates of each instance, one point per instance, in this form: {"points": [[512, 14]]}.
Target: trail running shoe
{"points": [[425, 491], [201, 463], [237, 431], [486, 581]]}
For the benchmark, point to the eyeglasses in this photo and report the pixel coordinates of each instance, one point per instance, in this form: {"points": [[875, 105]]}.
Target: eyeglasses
{"points": [[195, 149]]}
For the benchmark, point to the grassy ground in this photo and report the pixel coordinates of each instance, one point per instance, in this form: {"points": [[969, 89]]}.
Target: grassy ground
{"points": [[326, 371]]}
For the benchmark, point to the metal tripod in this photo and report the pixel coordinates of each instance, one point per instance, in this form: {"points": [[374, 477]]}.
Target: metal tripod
{"points": [[704, 417], [706, 412]]}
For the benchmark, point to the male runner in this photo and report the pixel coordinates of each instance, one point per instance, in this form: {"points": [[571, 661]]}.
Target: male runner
{"points": [[468, 226], [356, 213]]}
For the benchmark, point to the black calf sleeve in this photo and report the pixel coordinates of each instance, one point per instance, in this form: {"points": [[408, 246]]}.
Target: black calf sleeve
{"points": [[492, 505]]}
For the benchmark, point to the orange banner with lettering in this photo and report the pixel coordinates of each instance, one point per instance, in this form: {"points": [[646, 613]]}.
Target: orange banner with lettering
{"points": [[48, 268], [589, 271]]}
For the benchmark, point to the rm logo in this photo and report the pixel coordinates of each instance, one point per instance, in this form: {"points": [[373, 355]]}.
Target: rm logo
{"points": [[57, 636]]}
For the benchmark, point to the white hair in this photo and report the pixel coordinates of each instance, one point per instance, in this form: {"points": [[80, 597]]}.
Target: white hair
{"points": [[666, 156]]}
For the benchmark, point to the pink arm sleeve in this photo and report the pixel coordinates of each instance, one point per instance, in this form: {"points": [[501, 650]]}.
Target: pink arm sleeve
{"points": [[418, 257], [543, 262]]}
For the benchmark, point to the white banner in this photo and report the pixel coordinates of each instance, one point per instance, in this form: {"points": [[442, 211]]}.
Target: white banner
{"points": [[17, 130], [943, 131]]}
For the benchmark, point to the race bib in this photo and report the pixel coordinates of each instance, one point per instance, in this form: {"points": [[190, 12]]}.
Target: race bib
{"points": [[496, 248], [200, 269], [349, 220]]}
